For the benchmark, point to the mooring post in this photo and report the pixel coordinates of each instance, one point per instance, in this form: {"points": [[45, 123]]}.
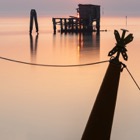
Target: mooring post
{"points": [[100, 121], [54, 25], [99, 125], [33, 17]]}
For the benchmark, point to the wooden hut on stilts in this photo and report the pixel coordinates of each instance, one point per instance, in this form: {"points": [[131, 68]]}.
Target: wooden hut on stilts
{"points": [[87, 15]]}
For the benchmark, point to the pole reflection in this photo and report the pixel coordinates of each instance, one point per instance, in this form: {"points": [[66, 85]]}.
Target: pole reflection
{"points": [[80, 47], [33, 47], [89, 46]]}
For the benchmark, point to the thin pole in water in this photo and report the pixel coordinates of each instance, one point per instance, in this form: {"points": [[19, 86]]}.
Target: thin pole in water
{"points": [[126, 20]]}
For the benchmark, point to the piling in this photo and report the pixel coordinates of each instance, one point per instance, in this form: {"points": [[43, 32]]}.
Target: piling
{"points": [[100, 121], [33, 18], [54, 25]]}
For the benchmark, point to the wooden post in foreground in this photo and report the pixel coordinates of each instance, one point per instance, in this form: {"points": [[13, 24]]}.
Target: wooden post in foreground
{"points": [[100, 121], [99, 125]]}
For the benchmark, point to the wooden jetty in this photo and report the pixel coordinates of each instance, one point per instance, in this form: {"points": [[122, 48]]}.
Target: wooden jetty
{"points": [[87, 15]]}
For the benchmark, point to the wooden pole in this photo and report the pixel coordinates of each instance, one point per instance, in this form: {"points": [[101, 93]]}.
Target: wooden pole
{"points": [[72, 25], [80, 24], [33, 17], [61, 25], [100, 121], [76, 24], [65, 24], [54, 25], [98, 25]]}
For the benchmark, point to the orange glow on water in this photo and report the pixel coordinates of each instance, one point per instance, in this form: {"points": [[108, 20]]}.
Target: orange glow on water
{"points": [[53, 103]]}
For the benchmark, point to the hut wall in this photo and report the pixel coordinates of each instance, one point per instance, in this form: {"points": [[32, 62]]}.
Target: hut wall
{"points": [[89, 11]]}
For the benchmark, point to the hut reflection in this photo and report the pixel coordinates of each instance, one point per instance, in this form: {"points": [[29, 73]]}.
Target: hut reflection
{"points": [[89, 46], [33, 47]]}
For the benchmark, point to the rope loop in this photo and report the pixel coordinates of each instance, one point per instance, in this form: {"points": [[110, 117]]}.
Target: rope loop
{"points": [[51, 65]]}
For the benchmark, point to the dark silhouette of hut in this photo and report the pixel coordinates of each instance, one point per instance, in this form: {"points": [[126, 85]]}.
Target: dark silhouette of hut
{"points": [[89, 13], [84, 22]]}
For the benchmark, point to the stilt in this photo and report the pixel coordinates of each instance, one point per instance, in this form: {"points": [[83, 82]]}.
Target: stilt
{"points": [[54, 25], [72, 25], [98, 25], [61, 25], [65, 24], [76, 24]]}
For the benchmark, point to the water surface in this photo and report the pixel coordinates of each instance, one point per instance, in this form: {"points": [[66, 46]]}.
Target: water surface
{"points": [[39, 103]]}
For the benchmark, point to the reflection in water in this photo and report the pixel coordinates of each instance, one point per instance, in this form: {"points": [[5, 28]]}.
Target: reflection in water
{"points": [[89, 40], [55, 103], [78, 48], [89, 45], [33, 47]]}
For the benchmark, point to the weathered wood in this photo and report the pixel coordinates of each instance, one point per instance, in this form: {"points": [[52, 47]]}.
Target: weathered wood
{"points": [[70, 24]]}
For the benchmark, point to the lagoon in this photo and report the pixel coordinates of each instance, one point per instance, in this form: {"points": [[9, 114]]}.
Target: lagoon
{"points": [[55, 103]]}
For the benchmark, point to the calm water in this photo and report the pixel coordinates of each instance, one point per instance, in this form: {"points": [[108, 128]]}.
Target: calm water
{"points": [[47, 103]]}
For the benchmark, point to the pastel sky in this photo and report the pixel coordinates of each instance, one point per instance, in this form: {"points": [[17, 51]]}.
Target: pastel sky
{"points": [[68, 7]]}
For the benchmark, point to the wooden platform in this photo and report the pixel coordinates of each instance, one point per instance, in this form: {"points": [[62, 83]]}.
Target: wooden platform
{"points": [[87, 15], [72, 25]]}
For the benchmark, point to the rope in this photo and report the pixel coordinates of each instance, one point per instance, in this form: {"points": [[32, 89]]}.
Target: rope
{"points": [[49, 65], [132, 78], [78, 65]]}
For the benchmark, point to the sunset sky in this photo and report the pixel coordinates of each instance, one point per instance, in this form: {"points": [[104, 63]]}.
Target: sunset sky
{"points": [[58, 7]]}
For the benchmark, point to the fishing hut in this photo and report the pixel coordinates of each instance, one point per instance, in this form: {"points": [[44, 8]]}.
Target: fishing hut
{"points": [[87, 15]]}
